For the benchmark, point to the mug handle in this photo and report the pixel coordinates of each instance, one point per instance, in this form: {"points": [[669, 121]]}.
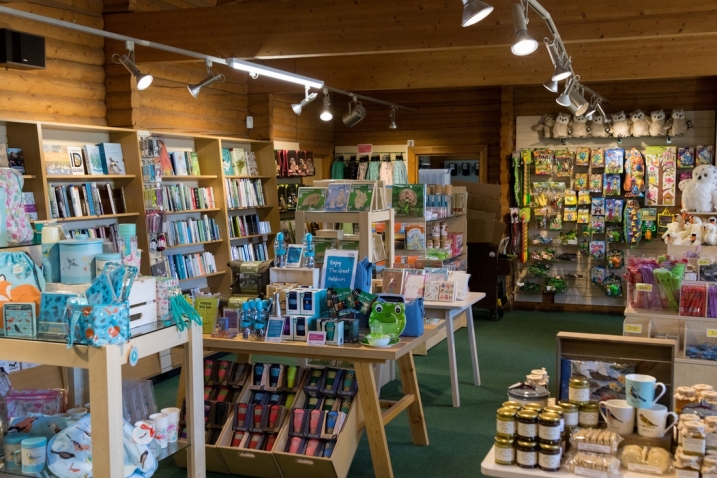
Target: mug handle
{"points": [[664, 389], [602, 407], [17, 457], [674, 421]]}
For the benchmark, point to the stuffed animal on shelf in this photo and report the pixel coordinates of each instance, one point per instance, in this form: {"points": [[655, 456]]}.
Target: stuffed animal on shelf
{"points": [[673, 239], [657, 123], [710, 234], [620, 125], [544, 127], [694, 228], [677, 125], [562, 125], [599, 127], [580, 127], [639, 125], [673, 229], [698, 193]]}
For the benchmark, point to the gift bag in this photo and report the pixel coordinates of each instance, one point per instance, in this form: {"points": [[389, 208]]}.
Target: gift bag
{"points": [[97, 325], [20, 279]]}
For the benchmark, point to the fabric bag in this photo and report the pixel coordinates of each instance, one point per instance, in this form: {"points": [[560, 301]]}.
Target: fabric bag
{"points": [[363, 275], [249, 278], [69, 453], [16, 221], [20, 279], [415, 314]]}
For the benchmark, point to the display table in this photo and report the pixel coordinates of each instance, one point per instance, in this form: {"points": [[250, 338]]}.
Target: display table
{"points": [[448, 311], [363, 359], [105, 382]]}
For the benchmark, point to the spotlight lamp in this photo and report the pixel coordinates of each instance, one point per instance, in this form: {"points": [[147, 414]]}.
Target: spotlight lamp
{"points": [[355, 114], [143, 80], [474, 11], [573, 96], [561, 62], [524, 43], [551, 85], [392, 124], [308, 98], [211, 78], [326, 114]]}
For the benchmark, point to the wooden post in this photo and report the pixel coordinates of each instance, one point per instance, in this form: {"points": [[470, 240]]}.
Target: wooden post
{"points": [[194, 386], [507, 144]]}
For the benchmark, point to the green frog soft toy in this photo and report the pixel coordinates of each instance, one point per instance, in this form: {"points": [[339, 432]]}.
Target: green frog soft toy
{"points": [[391, 315]]}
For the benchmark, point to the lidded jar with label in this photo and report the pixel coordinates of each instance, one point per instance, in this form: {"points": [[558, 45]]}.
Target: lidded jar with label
{"points": [[512, 404], [711, 432], [684, 396], [684, 419], [549, 456], [709, 396], [588, 415], [505, 424], [527, 454], [527, 425], [549, 428], [528, 393], [536, 407], [504, 451], [579, 389], [701, 387], [556, 409], [694, 438], [570, 413]]}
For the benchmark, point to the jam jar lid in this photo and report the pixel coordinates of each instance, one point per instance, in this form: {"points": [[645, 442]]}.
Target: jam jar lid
{"points": [[507, 412], [590, 406], [504, 441], [549, 446], [512, 404], [549, 417], [568, 407], [528, 414], [529, 444], [554, 409], [579, 381]]}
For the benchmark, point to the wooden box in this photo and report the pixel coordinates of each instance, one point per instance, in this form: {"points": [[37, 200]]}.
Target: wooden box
{"points": [[299, 275]]}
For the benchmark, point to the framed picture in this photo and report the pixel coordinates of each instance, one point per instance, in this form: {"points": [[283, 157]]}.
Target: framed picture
{"points": [[339, 269], [294, 255]]}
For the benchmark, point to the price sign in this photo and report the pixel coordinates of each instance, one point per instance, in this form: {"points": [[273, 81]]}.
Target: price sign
{"points": [[632, 328], [711, 332], [644, 287], [704, 262]]}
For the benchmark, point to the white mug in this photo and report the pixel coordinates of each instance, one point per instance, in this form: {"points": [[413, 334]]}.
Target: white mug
{"points": [[619, 416], [161, 423], [173, 423], [651, 422], [640, 390]]}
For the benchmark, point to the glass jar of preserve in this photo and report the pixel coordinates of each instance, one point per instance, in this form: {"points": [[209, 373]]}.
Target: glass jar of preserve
{"points": [[694, 438], [504, 451], [556, 409], [527, 454], [505, 424], [684, 396], [549, 428], [701, 387], [512, 404], [536, 407], [549, 457], [684, 419], [579, 389], [709, 396], [570, 413], [527, 425], [711, 434], [588, 415]]}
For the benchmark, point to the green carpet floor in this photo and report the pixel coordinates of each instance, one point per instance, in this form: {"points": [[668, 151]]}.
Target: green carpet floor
{"points": [[459, 437]]}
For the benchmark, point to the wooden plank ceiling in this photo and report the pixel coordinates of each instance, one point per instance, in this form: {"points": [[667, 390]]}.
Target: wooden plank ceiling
{"points": [[406, 44]]}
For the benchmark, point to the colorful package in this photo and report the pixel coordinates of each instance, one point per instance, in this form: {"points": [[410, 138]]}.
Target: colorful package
{"points": [[634, 185], [615, 259], [611, 185], [583, 216], [614, 161], [570, 214], [571, 199], [556, 222], [685, 157], [597, 224], [704, 155], [543, 160], [613, 210], [598, 274], [22, 403], [563, 163], [581, 182], [582, 157], [598, 249], [597, 158], [595, 183], [583, 198], [597, 206]]}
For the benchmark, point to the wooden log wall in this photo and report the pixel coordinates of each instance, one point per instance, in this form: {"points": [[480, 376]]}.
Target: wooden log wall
{"points": [[307, 129], [71, 87]]}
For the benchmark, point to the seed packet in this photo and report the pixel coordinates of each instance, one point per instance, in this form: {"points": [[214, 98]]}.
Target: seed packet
{"points": [[598, 274], [571, 199], [595, 183], [581, 181], [615, 259], [556, 222], [597, 207], [597, 158], [685, 157], [597, 224], [611, 185], [613, 210], [704, 155], [570, 214], [614, 161], [583, 247], [582, 157], [583, 198], [543, 160], [613, 286], [613, 233], [563, 163], [597, 249], [583, 216], [541, 218]]}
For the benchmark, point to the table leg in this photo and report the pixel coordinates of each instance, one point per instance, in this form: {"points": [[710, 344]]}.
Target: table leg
{"points": [[452, 368], [473, 347], [416, 420], [376, 434], [106, 421], [192, 371]]}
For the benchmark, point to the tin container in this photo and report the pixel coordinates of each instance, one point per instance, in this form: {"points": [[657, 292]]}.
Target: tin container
{"points": [[77, 259], [528, 394]]}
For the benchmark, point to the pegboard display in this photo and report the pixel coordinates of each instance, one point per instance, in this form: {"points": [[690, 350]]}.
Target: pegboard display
{"points": [[590, 186]]}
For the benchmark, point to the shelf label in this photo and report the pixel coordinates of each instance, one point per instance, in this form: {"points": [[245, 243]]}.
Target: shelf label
{"points": [[704, 262], [652, 470], [643, 287], [632, 328], [711, 332]]}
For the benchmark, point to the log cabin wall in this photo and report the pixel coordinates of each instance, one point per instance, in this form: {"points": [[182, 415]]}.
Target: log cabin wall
{"points": [[307, 129], [71, 88]]}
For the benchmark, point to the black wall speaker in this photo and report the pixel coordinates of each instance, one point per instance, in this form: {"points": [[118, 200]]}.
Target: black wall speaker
{"points": [[21, 51]]}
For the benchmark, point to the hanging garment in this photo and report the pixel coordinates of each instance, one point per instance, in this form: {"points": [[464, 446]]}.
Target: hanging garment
{"points": [[386, 173], [400, 174], [337, 169], [351, 169], [374, 166], [362, 168]]}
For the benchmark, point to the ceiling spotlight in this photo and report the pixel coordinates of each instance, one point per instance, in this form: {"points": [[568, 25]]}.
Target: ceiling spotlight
{"points": [[474, 11], [524, 43], [143, 80], [392, 124], [599, 109], [308, 98], [562, 71], [561, 65], [355, 114], [326, 114], [551, 85], [564, 99], [211, 78], [572, 99]]}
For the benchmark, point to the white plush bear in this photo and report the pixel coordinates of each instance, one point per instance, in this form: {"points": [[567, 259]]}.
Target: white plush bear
{"points": [[698, 192], [620, 125], [677, 125], [580, 127], [599, 127], [710, 234], [639, 125], [562, 124], [657, 123]]}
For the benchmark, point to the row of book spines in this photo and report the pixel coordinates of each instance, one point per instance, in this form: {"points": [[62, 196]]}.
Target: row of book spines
{"points": [[192, 231], [184, 163], [249, 225], [187, 266], [250, 252], [244, 193], [184, 198], [86, 199]]}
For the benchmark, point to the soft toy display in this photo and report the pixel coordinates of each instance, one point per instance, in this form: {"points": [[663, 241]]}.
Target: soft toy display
{"points": [[698, 193], [599, 127], [620, 125], [579, 127], [709, 238], [693, 227], [657, 123], [544, 127], [562, 125], [677, 125], [639, 125], [632, 223]]}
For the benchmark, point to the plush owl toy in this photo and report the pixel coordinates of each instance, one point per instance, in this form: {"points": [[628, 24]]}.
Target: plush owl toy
{"points": [[580, 127], [639, 126], [599, 127], [562, 125], [544, 127], [677, 125], [697, 193], [657, 123], [620, 125]]}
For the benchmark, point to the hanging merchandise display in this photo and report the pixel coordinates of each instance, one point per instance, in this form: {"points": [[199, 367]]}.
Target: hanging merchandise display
{"points": [[632, 223], [634, 184], [524, 220], [517, 178]]}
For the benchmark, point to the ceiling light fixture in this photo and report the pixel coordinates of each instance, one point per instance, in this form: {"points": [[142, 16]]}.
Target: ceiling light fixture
{"points": [[253, 68], [561, 62], [573, 99], [392, 124], [326, 114], [474, 11], [143, 80], [211, 78], [355, 114], [308, 98], [524, 43], [551, 85]]}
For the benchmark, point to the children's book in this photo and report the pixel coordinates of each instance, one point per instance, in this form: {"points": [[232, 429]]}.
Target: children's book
{"points": [[360, 197], [337, 197], [409, 200], [311, 199]]}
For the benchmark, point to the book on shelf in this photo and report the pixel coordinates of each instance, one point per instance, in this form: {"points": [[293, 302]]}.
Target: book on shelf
{"points": [[244, 193], [4, 161], [408, 200], [16, 159], [179, 197], [239, 161], [28, 199], [188, 266], [112, 158], [165, 163], [415, 237], [179, 163], [248, 225], [310, 199], [57, 161], [93, 159], [360, 197], [251, 166], [250, 252], [193, 164], [77, 161], [85, 199], [189, 231], [227, 164]]}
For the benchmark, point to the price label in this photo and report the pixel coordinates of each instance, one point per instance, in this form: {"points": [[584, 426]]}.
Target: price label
{"points": [[632, 328], [644, 287], [711, 332], [704, 262]]}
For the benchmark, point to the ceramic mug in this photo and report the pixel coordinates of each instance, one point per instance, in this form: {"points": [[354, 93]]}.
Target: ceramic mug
{"points": [[173, 423], [651, 422], [619, 416], [640, 390], [11, 444], [161, 423]]}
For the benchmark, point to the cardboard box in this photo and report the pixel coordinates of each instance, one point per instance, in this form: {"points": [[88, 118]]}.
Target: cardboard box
{"points": [[481, 203], [482, 227], [491, 191]]}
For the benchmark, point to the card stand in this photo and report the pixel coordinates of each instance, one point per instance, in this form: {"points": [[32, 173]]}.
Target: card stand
{"points": [[330, 386], [312, 384], [673, 329], [349, 385], [337, 466]]}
